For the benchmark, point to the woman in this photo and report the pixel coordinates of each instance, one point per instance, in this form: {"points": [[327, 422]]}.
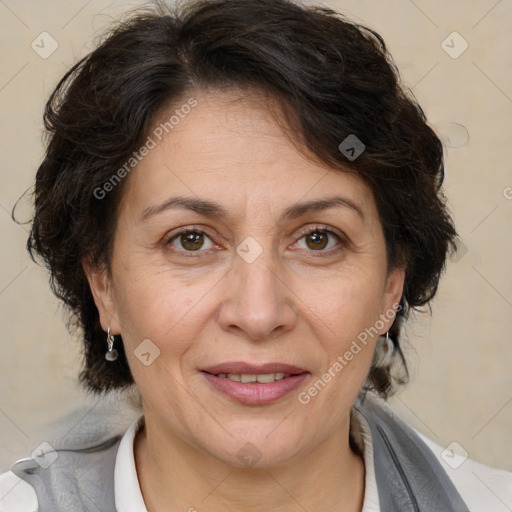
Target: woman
{"points": [[240, 205]]}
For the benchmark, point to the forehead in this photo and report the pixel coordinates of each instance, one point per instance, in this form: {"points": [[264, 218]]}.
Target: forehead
{"points": [[233, 146]]}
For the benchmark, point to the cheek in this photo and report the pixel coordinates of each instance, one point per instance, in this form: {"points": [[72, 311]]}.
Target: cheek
{"points": [[346, 302], [154, 304], [344, 309]]}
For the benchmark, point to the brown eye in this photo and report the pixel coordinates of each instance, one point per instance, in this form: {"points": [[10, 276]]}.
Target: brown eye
{"points": [[190, 240], [317, 240]]}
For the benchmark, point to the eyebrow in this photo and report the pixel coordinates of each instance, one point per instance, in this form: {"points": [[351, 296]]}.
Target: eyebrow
{"points": [[212, 209]]}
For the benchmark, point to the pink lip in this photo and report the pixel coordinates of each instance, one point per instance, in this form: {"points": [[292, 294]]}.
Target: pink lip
{"points": [[255, 393], [251, 369]]}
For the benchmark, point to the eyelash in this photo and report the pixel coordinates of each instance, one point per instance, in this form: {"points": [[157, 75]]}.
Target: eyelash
{"points": [[316, 229]]}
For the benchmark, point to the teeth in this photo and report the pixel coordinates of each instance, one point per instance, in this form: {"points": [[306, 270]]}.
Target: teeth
{"points": [[262, 378], [244, 377], [265, 377]]}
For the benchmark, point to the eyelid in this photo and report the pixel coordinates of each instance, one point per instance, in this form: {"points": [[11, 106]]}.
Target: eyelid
{"points": [[199, 228], [321, 227]]}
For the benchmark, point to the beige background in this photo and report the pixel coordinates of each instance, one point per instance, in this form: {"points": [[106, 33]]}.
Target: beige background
{"points": [[460, 358]]}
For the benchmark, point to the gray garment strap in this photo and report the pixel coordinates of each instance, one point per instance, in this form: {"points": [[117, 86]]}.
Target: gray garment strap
{"points": [[409, 477], [77, 481]]}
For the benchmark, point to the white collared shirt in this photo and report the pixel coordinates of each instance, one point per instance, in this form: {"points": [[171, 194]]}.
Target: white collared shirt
{"points": [[484, 489]]}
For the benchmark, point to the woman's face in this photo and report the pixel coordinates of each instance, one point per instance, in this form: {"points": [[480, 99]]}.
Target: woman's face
{"points": [[246, 285]]}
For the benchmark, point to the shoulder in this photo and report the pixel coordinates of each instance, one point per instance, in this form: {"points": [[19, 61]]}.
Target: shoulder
{"points": [[482, 487], [92, 432], [57, 475], [16, 495]]}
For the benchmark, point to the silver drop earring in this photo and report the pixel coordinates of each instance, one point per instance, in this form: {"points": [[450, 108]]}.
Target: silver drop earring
{"points": [[384, 351], [111, 354]]}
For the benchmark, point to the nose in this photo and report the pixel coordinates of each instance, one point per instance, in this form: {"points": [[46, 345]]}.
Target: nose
{"points": [[257, 302]]}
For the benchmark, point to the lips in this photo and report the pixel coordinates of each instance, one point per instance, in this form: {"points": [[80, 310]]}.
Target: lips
{"points": [[252, 384], [240, 367]]}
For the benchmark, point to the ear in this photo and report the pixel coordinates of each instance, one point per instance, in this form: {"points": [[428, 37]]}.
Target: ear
{"points": [[101, 288], [392, 295]]}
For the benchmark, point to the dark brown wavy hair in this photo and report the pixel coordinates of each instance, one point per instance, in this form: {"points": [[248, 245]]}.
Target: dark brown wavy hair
{"points": [[333, 78]]}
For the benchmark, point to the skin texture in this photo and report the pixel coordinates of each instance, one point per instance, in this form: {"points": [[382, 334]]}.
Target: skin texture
{"points": [[290, 305]]}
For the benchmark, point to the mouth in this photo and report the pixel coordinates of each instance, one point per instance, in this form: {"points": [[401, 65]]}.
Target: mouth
{"points": [[247, 378], [255, 384]]}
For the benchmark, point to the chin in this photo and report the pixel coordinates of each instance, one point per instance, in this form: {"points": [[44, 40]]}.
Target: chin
{"points": [[255, 456], [259, 448]]}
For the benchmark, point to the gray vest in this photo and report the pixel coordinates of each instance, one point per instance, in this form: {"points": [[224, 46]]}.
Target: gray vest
{"points": [[409, 477]]}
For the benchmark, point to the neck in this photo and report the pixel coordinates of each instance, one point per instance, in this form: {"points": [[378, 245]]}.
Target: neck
{"points": [[170, 471]]}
